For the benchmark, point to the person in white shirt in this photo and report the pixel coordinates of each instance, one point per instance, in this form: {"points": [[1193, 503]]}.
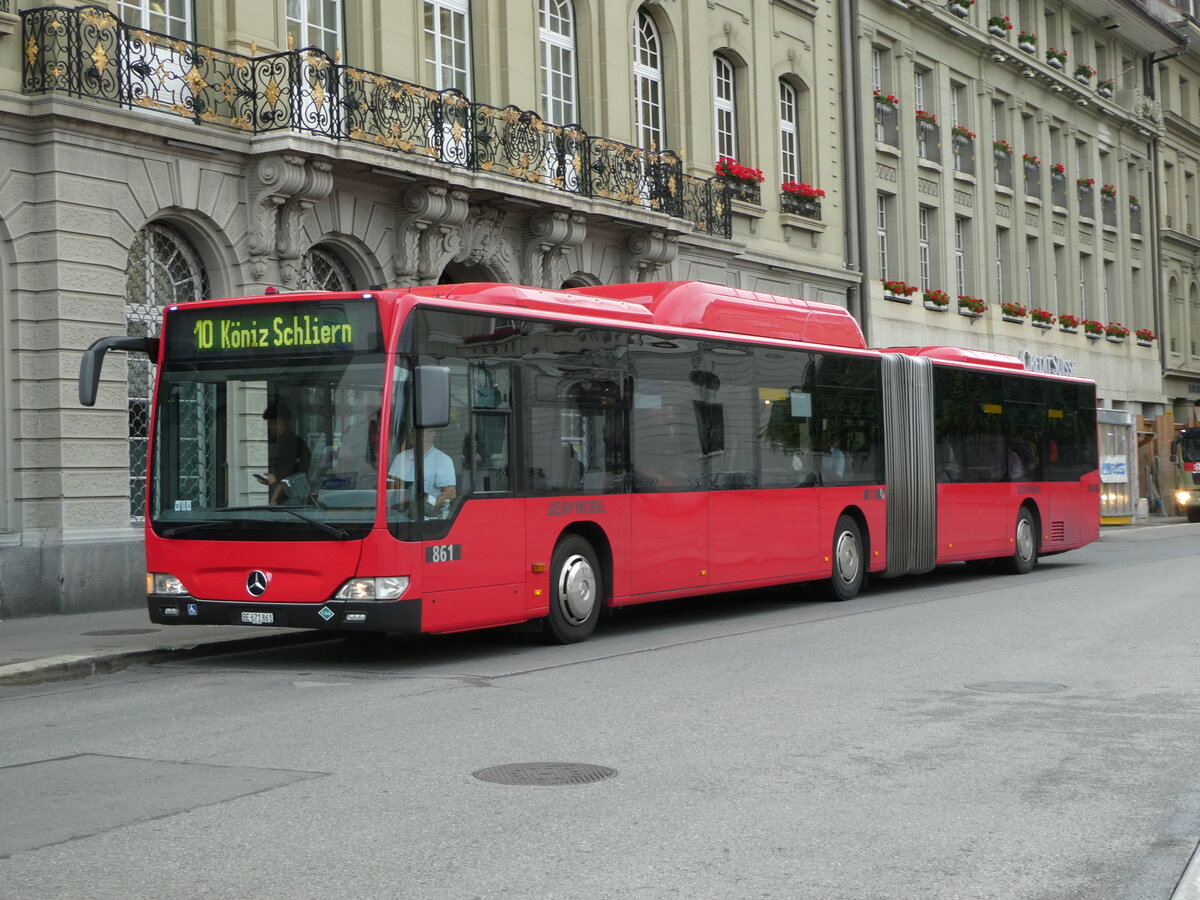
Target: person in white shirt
{"points": [[439, 481]]}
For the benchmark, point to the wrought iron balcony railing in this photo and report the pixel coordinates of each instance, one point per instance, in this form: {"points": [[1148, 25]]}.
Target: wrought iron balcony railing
{"points": [[89, 52]]}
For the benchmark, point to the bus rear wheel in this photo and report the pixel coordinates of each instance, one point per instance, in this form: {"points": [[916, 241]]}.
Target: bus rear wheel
{"points": [[849, 561], [1025, 550], [576, 592]]}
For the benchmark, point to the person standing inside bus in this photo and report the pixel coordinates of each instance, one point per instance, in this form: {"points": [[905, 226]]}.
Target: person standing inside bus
{"points": [[287, 453], [440, 481]]}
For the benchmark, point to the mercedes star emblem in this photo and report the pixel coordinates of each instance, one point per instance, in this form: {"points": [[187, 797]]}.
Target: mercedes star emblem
{"points": [[256, 583]]}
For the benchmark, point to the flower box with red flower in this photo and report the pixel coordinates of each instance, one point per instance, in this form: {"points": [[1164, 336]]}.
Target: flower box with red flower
{"points": [[1145, 336], [1002, 147], [890, 100], [962, 133], [1031, 160], [1058, 170], [1092, 329], [1084, 73], [1068, 323], [743, 181], [937, 300], [1106, 87], [1116, 332], [1011, 311], [1085, 184], [801, 199], [1000, 26], [971, 306], [1027, 41], [1134, 201], [901, 291], [1108, 191], [961, 8], [924, 116], [1056, 58], [1042, 318]]}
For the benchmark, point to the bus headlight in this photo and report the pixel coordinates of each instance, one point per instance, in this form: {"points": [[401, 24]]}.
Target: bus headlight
{"points": [[388, 587], [162, 583], [1183, 498]]}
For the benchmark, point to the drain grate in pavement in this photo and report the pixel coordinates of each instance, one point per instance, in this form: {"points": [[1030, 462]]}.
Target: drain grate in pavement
{"points": [[545, 774], [113, 632], [1016, 687]]}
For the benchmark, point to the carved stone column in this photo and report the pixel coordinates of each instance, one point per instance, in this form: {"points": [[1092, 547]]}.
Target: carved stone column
{"points": [[548, 237], [429, 232], [648, 251]]}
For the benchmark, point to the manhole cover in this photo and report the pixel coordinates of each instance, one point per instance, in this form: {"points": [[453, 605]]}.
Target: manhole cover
{"points": [[537, 774], [1017, 687], [113, 632]]}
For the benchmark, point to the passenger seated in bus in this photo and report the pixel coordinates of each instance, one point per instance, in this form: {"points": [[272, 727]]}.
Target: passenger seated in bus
{"points": [[832, 459], [288, 457], [440, 481]]}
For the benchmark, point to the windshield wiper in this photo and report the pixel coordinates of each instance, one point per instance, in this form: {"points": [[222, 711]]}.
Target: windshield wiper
{"points": [[340, 533], [197, 526]]}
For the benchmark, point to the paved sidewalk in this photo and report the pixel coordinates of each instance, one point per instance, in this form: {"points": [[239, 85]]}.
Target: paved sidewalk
{"points": [[50, 648]]}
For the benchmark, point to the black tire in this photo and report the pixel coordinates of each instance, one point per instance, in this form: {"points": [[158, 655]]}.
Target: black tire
{"points": [[849, 562], [1025, 549], [576, 592]]}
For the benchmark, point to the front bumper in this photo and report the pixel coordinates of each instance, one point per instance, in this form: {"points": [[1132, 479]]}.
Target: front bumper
{"points": [[393, 616]]}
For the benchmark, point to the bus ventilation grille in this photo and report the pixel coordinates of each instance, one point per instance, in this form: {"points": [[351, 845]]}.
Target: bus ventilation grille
{"points": [[1058, 532]]}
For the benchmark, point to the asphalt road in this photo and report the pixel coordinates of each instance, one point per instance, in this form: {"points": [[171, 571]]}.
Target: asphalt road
{"points": [[958, 735]]}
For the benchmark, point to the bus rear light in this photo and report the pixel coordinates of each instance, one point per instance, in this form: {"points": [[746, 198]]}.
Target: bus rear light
{"points": [[162, 583], [383, 588]]}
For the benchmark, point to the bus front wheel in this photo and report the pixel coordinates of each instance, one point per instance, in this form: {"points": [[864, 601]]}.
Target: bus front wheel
{"points": [[849, 561], [1025, 550], [576, 592]]}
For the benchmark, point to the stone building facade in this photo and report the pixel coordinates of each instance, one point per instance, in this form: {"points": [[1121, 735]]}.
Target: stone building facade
{"points": [[160, 151]]}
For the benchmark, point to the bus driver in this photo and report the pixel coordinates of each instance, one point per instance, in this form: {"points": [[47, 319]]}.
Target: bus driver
{"points": [[440, 480]]}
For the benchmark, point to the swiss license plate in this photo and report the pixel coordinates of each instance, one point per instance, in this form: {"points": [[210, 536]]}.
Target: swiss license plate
{"points": [[257, 618]]}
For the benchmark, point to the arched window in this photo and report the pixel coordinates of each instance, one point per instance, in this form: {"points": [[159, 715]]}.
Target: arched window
{"points": [[789, 132], [163, 268], [648, 83], [173, 17], [314, 23], [321, 270], [724, 108], [448, 43], [556, 33]]}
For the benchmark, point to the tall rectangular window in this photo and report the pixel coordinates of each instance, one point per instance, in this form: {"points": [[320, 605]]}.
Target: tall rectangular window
{"points": [[789, 132], [724, 110], [648, 83], [314, 23], [1003, 252], [1084, 286], [876, 69], [448, 44], [960, 254], [1032, 272], [925, 247], [920, 83], [557, 35], [882, 202]]}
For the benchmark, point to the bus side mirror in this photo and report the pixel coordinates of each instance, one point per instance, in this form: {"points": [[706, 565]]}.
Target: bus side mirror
{"points": [[432, 396], [93, 361]]}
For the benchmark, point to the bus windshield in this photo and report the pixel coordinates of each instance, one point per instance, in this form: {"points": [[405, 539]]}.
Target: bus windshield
{"points": [[1189, 449], [268, 449]]}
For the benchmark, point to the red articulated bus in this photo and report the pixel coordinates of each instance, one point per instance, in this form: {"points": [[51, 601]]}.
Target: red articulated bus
{"points": [[462, 456]]}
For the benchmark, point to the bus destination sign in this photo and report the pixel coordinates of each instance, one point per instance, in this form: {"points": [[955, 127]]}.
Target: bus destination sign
{"points": [[262, 329]]}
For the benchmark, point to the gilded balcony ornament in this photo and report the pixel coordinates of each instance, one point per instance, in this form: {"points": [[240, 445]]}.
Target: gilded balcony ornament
{"points": [[318, 95], [271, 92], [195, 80], [31, 51], [97, 18], [99, 58]]}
